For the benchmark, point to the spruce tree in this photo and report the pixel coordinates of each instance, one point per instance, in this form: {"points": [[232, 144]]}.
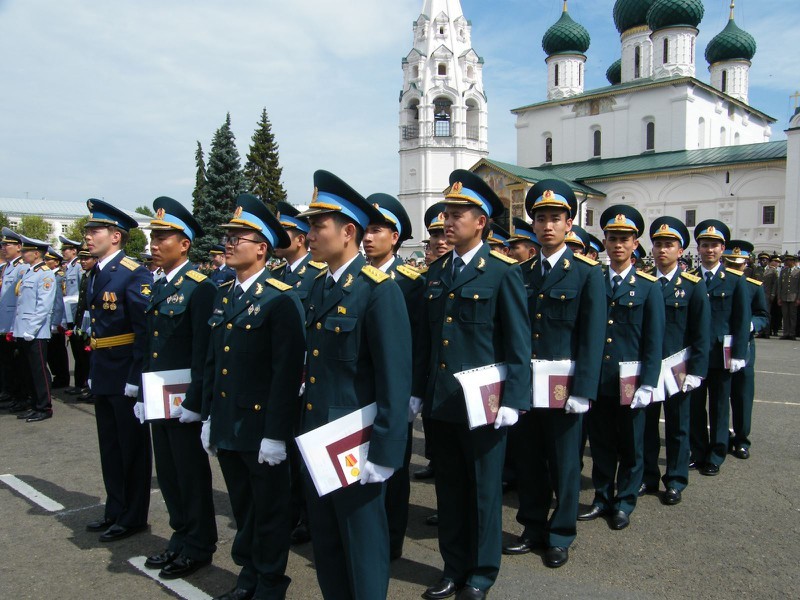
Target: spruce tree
{"points": [[199, 178], [262, 170], [224, 182]]}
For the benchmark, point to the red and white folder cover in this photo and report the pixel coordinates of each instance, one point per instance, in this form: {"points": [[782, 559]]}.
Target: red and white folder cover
{"points": [[164, 392], [727, 346], [552, 382], [629, 382], [336, 452], [673, 371], [483, 392]]}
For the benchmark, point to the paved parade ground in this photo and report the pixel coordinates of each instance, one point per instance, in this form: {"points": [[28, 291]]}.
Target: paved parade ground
{"points": [[733, 536]]}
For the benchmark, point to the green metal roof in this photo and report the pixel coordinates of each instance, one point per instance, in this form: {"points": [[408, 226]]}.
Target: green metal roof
{"points": [[533, 175]]}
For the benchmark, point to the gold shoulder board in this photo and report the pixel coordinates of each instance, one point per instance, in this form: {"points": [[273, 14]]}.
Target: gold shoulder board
{"points": [[755, 281], [376, 275], [734, 272], [586, 259], [321, 273], [408, 272], [646, 276], [196, 276], [278, 284], [503, 257], [45, 268], [423, 269], [129, 263], [689, 277], [227, 283], [278, 266], [317, 265]]}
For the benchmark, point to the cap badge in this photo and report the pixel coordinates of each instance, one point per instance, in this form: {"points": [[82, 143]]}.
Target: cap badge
{"points": [[457, 187], [238, 212], [315, 195], [711, 229], [160, 213], [665, 228], [619, 219], [548, 196], [737, 251]]}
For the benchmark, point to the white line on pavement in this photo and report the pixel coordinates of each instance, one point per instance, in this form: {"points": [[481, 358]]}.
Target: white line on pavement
{"points": [[179, 586], [31, 493], [781, 403], [778, 373]]}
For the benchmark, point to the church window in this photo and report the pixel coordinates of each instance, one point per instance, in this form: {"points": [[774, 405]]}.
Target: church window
{"points": [[580, 73], [768, 215], [441, 30], [701, 133], [411, 127], [64, 228], [690, 218], [637, 62], [597, 143], [548, 150], [556, 76], [589, 217], [650, 136], [666, 50], [724, 86], [470, 72], [441, 117], [731, 111], [415, 72], [722, 136], [442, 69], [473, 120], [737, 139]]}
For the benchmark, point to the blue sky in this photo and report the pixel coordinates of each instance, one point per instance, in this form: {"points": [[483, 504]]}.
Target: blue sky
{"points": [[108, 99]]}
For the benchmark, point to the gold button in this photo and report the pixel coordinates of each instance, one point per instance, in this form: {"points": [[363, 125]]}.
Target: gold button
{"points": [[223, 395], [309, 406], [475, 297], [536, 336], [92, 320], [533, 356], [449, 319], [247, 326], [155, 354], [541, 296], [338, 329], [319, 325], [224, 371], [227, 348], [155, 334], [608, 340], [538, 315], [723, 294], [92, 306], [312, 379], [445, 342], [451, 296], [315, 352], [613, 304], [443, 366], [611, 321], [676, 305], [257, 407], [229, 326], [563, 297], [607, 357], [630, 303], [172, 312]]}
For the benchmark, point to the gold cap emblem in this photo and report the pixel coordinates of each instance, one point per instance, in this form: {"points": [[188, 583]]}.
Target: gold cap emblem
{"points": [[548, 196], [711, 229], [457, 187], [665, 228], [160, 213], [737, 250], [238, 212], [619, 219]]}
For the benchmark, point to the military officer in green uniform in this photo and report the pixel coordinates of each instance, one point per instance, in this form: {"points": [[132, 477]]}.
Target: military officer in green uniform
{"points": [[498, 239], [382, 241], [730, 316], [688, 319], [253, 372], [177, 338], [358, 353], [297, 268], [743, 382], [567, 309], [523, 244], [475, 316], [634, 332]]}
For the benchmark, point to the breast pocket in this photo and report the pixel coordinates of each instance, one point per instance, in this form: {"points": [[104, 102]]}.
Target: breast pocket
{"points": [[475, 305], [630, 310], [562, 304], [720, 299], [341, 338], [434, 305], [677, 309]]}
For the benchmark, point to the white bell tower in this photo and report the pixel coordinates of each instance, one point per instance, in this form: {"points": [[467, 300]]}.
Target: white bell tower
{"points": [[443, 108]]}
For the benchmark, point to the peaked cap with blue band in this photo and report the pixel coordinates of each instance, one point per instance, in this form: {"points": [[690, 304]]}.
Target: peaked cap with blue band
{"points": [[53, 254], [287, 215], [498, 235], [578, 235], [68, 243], [467, 189], [523, 231], [171, 215], [551, 193], [33, 244], [252, 213], [622, 217], [102, 214], [640, 252], [596, 244], [670, 228], [10, 236], [217, 249], [738, 251], [712, 229], [433, 217], [331, 194], [393, 213]]}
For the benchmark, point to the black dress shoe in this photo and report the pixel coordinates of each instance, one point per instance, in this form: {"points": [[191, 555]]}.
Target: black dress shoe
{"points": [[470, 593], [237, 594], [709, 469], [523, 545], [593, 513], [671, 497], [182, 566], [86, 398], [395, 554], [620, 520], [426, 473], [72, 391], [300, 534], [20, 407], [433, 520], [159, 561], [556, 557], [27, 414], [39, 415], [647, 489], [741, 452], [694, 464], [444, 589], [118, 532], [99, 525]]}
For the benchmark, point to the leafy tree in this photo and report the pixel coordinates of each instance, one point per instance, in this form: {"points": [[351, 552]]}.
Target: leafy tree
{"points": [[136, 243], [199, 179], [262, 170], [4, 220], [35, 227], [75, 231], [145, 210], [224, 182]]}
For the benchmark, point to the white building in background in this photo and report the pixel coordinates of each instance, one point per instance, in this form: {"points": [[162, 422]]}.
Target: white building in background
{"points": [[443, 108]]}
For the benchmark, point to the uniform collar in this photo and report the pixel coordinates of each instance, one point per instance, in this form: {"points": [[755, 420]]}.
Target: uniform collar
{"points": [[340, 271], [107, 260], [468, 256], [624, 273], [669, 275], [249, 281], [553, 259], [174, 271]]}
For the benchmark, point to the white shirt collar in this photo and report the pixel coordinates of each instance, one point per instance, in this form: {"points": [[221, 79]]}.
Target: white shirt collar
{"points": [[106, 260], [669, 275], [469, 255], [340, 271], [296, 264], [624, 273], [250, 280], [553, 259], [703, 270], [387, 265], [174, 271]]}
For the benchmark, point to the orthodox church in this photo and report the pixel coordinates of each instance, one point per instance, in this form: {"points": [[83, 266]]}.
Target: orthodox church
{"points": [[657, 137]]}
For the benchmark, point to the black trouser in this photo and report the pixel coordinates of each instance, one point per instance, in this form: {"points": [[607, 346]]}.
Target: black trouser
{"points": [[708, 426], [13, 365], [125, 459], [184, 477], [36, 373], [398, 492], [775, 317], [78, 344], [676, 442], [57, 359]]}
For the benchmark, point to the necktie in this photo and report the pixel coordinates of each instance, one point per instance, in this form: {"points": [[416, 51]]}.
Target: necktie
{"points": [[288, 269], [329, 283], [709, 277], [664, 281], [616, 280], [546, 266], [458, 266], [237, 292]]}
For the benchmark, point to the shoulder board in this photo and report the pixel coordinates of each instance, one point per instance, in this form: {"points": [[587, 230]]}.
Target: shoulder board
{"points": [[408, 272], [61, 272], [196, 276], [754, 281], [280, 265], [227, 283], [317, 265], [321, 273], [689, 277], [129, 263], [586, 259], [278, 284], [647, 276], [734, 272], [694, 272], [423, 269], [503, 257], [376, 275], [44, 268]]}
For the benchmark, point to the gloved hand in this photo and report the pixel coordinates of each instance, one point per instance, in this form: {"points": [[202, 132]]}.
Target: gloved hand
{"points": [[89, 383], [373, 473], [138, 411], [272, 452], [188, 416], [131, 391], [692, 382], [752, 327], [302, 389], [737, 364], [506, 417], [414, 406], [28, 337], [205, 438], [54, 329], [577, 405], [642, 397]]}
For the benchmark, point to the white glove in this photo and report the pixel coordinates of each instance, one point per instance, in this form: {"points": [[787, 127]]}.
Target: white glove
{"points": [[506, 417], [414, 406], [642, 397], [131, 391], [302, 389], [272, 452], [737, 364], [373, 473], [577, 405], [205, 438], [89, 383], [752, 327], [188, 416], [28, 337], [138, 411], [692, 382]]}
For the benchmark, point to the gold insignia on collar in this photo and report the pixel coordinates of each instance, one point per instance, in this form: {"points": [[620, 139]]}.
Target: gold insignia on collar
{"points": [[392, 274], [457, 187], [349, 281], [444, 264], [225, 300], [722, 275], [632, 280], [179, 282], [481, 263], [302, 271], [238, 212], [161, 213], [341, 310], [259, 289], [566, 264], [678, 281]]}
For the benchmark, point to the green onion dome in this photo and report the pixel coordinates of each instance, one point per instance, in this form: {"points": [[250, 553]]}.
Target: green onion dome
{"points": [[675, 13], [566, 37], [614, 73], [630, 13], [732, 43]]}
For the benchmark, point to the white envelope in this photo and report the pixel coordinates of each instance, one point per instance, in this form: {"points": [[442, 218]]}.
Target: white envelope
{"points": [[164, 392], [483, 392]]}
